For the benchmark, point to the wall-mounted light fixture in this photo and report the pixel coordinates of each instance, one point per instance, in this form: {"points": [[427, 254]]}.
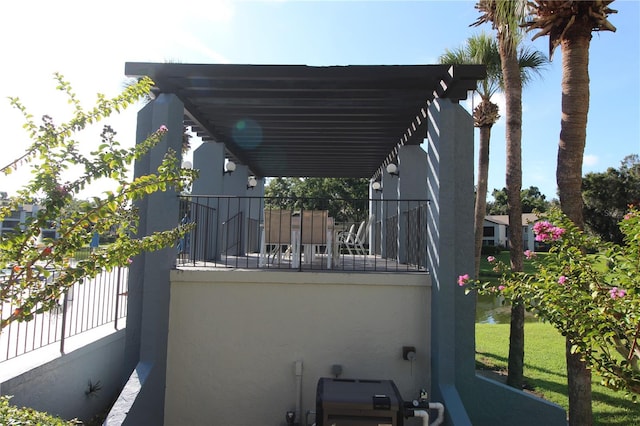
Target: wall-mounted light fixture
{"points": [[251, 182], [376, 186], [392, 169], [187, 164], [229, 167]]}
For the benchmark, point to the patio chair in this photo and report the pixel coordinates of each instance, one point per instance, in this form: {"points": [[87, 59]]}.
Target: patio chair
{"points": [[354, 242], [311, 231], [344, 238], [276, 236]]}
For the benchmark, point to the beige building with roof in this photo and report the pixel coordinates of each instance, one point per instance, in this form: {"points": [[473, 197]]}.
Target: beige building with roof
{"points": [[496, 230]]}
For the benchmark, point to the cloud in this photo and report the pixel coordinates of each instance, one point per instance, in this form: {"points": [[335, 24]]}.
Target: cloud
{"points": [[590, 160], [196, 45]]}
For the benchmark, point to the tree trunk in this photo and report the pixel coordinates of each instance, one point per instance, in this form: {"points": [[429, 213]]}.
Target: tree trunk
{"points": [[579, 386], [516, 347], [573, 130], [481, 193], [575, 107], [513, 97]]}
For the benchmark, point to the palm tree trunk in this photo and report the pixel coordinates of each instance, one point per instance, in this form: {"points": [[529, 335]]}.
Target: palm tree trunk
{"points": [[481, 193], [513, 92], [579, 388], [575, 107]]}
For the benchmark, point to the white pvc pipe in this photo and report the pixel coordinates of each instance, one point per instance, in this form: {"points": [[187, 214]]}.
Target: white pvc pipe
{"points": [[437, 406], [424, 414], [298, 371]]}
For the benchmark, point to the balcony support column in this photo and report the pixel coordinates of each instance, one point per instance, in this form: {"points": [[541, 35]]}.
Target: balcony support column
{"points": [[389, 208], [209, 160], [467, 397], [148, 303], [412, 185]]}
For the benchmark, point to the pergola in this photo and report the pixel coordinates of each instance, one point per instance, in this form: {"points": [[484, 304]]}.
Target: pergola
{"points": [[343, 121], [296, 120]]}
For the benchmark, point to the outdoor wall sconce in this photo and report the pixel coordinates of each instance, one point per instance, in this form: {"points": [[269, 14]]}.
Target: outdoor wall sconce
{"points": [[376, 186], [392, 169], [229, 167], [251, 182], [187, 164]]}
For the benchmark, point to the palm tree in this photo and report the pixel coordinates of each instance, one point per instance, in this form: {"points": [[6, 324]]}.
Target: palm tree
{"points": [[483, 49], [569, 25], [506, 17]]}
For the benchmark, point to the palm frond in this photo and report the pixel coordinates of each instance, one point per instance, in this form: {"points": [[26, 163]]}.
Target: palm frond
{"points": [[505, 16], [478, 49], [532, 62]]}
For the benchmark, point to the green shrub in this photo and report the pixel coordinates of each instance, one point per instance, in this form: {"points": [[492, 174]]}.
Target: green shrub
{"points": [[491, 250], [12, 415]]}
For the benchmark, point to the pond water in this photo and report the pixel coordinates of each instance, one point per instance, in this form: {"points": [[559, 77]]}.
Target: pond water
{"points": [[493, 310]]}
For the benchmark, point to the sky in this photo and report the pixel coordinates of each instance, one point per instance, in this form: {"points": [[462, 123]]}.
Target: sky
{"points": [[90, 42]]}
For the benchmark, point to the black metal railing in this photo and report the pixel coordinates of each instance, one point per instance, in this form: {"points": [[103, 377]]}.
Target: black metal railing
{"points": [[83, 307], [232, 232], [304, 233]]}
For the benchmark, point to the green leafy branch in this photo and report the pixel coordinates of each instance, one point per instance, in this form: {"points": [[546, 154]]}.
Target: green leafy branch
{"points": [[39, 272]]}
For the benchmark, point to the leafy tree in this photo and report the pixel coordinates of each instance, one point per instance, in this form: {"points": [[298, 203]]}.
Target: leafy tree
{"points": [[279, 193], [608, 195], [499, 203], [593, 299], [30, 285], [346, 199], [483, 49], [532, 200], [569, 24]]}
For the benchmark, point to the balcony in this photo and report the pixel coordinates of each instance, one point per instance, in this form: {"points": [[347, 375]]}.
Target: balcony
{"points": [[241, 232]]}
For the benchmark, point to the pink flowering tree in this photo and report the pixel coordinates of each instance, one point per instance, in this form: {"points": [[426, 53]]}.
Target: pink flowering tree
{"points": [[589, 290], [36, 272]]}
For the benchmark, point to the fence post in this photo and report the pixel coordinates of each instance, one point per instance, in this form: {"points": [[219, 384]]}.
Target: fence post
{"points": [[64, 320], [117, 298]]}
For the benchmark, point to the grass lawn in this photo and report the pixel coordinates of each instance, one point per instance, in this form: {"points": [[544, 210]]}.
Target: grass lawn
{"points": [[545, 370]]}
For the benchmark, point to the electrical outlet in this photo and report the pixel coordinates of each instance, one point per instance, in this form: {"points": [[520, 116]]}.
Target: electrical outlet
{"points": [[408, 353]]}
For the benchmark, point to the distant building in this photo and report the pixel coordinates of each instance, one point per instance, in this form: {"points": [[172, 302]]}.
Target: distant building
{"points": [[18, 217], [496, 230]]}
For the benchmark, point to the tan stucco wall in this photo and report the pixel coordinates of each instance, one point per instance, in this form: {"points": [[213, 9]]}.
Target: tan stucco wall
{"points": [[234, 338]]}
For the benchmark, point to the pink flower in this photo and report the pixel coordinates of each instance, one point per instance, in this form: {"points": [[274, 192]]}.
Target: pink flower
{"points": [[617, 293], [491, 259], [546, 232], [163, 128], [562, 280], [462, 279], [529, 254], [61, 190], [129, 261], [556, 233], [501, 287]]}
